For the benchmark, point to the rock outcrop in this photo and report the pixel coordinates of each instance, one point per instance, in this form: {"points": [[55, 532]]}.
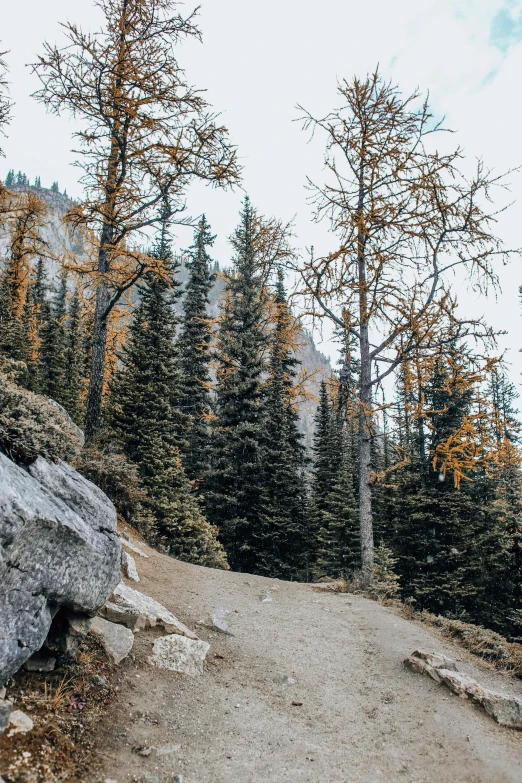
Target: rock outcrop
{"points": [[138, 611], [60, 558], [506, 710]]}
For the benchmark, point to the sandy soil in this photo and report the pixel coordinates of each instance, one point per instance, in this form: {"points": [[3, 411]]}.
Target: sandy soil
{"points": [[353, 715]]}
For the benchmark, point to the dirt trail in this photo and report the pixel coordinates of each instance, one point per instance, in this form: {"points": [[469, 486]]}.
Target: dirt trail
{"points": [[363, 719]]}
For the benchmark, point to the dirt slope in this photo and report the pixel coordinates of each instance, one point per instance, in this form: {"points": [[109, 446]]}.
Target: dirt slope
{"points": [[363, 718]]}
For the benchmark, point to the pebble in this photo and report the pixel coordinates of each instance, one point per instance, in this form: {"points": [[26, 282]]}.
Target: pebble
{"points": [[143, 750], [20, 722]]}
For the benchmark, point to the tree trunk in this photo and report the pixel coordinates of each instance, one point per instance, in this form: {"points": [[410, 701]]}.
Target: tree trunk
{"points": [[365, 393], [365, 443], [99, 349]]}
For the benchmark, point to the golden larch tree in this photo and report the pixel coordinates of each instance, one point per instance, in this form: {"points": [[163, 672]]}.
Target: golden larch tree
{"points": [[145, 134], [405, 217]]}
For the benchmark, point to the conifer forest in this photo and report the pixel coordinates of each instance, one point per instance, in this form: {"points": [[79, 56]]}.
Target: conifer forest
{"points": [[409, 483]]}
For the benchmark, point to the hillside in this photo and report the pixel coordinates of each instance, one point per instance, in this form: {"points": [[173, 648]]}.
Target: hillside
{"points": [[310, 687], [314, 364]]}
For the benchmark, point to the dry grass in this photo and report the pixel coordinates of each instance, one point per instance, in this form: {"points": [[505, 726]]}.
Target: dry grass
{"points": [[64, 707]]}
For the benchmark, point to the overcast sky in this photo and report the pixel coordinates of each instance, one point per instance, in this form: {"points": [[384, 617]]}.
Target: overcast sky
{"points": [[258, 60]]}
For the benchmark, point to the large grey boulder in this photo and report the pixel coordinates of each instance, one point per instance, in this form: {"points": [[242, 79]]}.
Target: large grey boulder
{"points": [[59, 555]]}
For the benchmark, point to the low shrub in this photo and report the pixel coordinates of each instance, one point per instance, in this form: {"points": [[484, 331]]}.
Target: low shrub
{"points": [[33, 426], [118, 478]]}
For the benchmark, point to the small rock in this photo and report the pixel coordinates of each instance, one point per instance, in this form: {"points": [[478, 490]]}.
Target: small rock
{"points": [[137, 611], [178, 779], [437, 660], [179, 654], [5, 713], [20, 722], [116, 640], [287, 681], [217, 620], [165, 750], [149, 779], [130, 545], [297, 704], [143, 750], [265, 597], [129, 567], [39, 662]]}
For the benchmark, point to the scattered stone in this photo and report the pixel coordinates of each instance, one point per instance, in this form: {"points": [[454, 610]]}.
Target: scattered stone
{"points": [[287, 681], [130, 545], [506, 710], [165, 750], [150, 779], [116, 640], [20, 722], [138, 611], [178, 779], [129, 567], [217, 620], [437, 660], [6, 708], [265, 597], [297, 703], [40, 662], [143, 750], [179, 654]]}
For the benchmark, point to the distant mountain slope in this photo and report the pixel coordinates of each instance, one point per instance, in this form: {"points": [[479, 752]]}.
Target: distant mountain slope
{"points": [[314, 364]]}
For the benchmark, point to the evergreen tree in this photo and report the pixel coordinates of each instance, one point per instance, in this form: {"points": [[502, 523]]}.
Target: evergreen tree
{"points": [[194, 347], [445, 536], [236, 494], [144, 418], [74, 362], [53, 345], [333, 503], [281, 540], [10, 179]]}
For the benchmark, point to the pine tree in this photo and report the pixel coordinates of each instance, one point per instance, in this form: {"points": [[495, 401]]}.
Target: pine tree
{"points": [[194, 347], [445, 535], [10, 179], [74, 362], [281, 540], [53, 345], [144, 418], [236, 494], [334, 504]]}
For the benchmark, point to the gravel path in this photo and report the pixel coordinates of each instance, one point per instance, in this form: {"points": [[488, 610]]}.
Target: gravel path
{"points": [[310, 689]]}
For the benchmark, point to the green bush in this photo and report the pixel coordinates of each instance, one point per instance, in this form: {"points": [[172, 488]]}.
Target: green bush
{"points": [[118, 478]]}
